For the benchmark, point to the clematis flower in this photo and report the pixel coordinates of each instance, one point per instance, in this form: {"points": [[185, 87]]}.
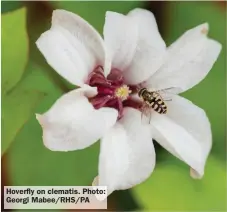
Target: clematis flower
{"points": [[106, 106]]}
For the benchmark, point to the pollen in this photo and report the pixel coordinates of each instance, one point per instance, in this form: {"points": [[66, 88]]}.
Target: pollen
{"points": [[122, 92]]}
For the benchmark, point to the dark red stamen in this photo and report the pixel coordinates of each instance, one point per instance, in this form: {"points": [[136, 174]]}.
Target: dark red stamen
{"points": [[106, 88]]}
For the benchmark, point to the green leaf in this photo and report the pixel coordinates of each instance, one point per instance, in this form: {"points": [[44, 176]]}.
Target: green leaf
{"points": [[14, 48], [211, 92], [7, 6], [170, 188], [17, 107], [19, 104]]}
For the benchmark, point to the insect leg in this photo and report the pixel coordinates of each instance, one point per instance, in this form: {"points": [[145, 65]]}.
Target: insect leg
{"points": [[149, 116], [146, 111], [142, 110], [142, 114]]}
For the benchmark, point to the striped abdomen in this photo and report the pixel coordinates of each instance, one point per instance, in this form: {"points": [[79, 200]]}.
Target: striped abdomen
{"points": [[153, 100]]}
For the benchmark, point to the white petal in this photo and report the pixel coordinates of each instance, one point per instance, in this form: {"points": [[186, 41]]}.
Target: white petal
{"points": [[150, 49], [86, 33], [72, 47], [185, 132], [66, 55], [193, 119], [127, 154], [72, 123], [148, 29], [135, 44], [188, 61], [120, 35]]}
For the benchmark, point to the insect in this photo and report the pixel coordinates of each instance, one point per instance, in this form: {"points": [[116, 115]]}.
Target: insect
{"points": [[153, 100]]}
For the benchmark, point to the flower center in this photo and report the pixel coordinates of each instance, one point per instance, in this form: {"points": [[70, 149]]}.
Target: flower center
{"points": [[123, 92], [112, 91]]}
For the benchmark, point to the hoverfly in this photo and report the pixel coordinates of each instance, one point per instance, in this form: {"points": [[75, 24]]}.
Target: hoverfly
{"points": [[154, 100]]}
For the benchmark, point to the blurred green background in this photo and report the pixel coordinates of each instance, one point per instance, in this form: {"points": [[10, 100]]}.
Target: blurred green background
{"points": [[30, 86]]}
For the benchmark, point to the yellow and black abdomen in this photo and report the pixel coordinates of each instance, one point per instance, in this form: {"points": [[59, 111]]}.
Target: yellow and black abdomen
{"points": [[157, 103], [153, 100]]}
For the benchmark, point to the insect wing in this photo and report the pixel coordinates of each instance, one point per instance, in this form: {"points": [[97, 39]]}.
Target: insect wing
{"points": [[168, 93]]}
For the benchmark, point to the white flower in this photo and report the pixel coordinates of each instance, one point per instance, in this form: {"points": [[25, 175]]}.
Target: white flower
{"points": [[104, 106]]}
